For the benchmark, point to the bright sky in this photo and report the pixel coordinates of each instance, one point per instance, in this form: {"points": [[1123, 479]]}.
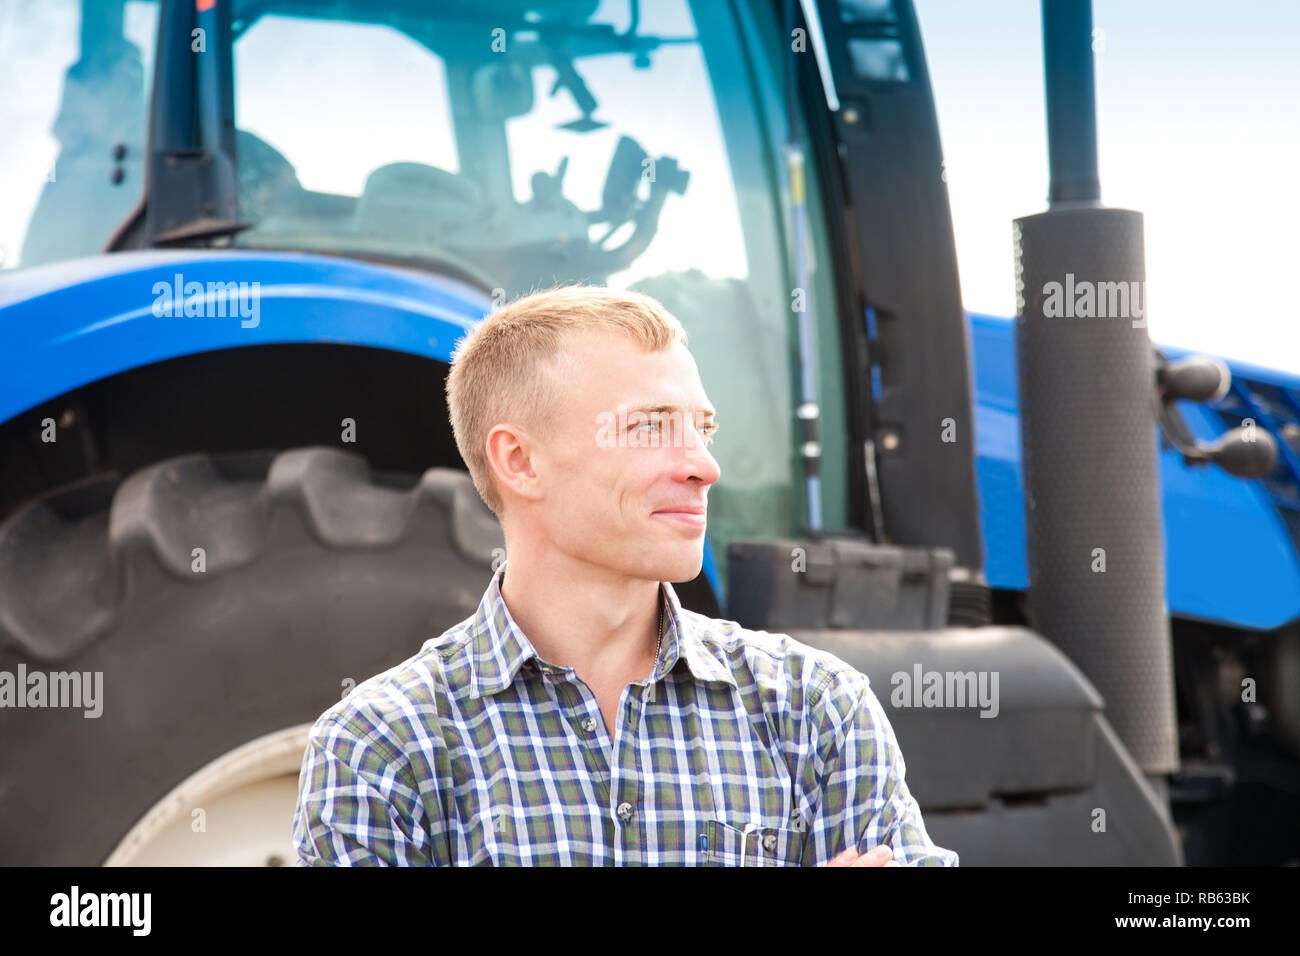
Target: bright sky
{"points": [[1199, 129]]}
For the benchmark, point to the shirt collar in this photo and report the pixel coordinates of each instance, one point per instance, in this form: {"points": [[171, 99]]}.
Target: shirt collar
{"points": [[500, 647]]}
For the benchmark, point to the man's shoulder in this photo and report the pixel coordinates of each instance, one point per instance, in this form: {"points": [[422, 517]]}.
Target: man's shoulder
{"points": [[776, 661], [390, 705]]}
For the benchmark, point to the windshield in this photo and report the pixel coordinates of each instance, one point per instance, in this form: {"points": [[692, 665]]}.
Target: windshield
{"points": [[551, 146]]}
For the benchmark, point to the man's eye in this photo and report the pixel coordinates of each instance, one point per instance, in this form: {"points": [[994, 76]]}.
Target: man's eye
{"points": [[643, 424]]}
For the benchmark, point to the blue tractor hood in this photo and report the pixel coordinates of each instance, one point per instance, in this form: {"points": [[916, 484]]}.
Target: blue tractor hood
{"points": [[1231, 545], [69, 323]]}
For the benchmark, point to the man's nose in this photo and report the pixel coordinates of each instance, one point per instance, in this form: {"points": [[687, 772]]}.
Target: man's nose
{"points": [[697, 462]]}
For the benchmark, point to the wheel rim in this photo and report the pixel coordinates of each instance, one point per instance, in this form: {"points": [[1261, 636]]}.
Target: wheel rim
{"points": [[247, 797]]}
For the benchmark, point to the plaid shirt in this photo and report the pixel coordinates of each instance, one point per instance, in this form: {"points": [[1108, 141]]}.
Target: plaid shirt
{"points": [[744, 748]]}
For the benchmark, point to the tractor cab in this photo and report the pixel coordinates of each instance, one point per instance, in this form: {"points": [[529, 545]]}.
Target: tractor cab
{"points": [[511, 146]]}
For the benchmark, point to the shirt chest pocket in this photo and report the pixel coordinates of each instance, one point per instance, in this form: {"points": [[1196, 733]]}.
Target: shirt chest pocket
{"points": [[726, 845]]}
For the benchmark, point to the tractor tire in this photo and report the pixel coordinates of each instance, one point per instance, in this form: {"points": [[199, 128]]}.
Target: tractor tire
{"points": [[313, 576]]}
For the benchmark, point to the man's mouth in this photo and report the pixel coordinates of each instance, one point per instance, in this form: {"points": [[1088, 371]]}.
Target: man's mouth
{"points": [[691, 519]]}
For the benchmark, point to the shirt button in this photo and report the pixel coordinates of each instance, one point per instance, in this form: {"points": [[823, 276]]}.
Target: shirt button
{"points": [[589, 724], [769, 842], [625, 812]]}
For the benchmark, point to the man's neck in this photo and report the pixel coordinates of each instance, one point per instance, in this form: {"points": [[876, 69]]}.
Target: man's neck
{"points": [[577, 615]]}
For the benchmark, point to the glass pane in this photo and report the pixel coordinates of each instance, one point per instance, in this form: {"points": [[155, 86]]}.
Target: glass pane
{"points": [[878, 59], [329, 102], [867, 11], [65, 109]]}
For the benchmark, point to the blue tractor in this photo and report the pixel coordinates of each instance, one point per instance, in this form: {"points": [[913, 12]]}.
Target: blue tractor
{"points": [[242, 240]]}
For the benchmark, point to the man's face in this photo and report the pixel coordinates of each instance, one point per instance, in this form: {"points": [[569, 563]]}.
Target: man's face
{"points": [[619, 481]]}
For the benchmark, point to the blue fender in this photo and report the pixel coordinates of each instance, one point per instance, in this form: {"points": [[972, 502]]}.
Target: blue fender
{"points": [[1229, 557], [70, 323]]}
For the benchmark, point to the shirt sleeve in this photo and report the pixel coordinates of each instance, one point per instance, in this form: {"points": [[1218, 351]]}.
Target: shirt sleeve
{"points": [[865, 800], [354, 807]]}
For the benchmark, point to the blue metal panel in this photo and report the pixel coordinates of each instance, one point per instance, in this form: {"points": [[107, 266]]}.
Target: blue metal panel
{"points": [[70, 323], [1228, 556]]}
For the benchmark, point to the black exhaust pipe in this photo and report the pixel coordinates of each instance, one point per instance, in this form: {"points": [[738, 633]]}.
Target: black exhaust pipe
{"points": [[1088, 413]]}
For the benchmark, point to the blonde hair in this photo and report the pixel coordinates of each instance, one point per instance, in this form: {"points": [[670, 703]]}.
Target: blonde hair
{"points": [[507, 368]]}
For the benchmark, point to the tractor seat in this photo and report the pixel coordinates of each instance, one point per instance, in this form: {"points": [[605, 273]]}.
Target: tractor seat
{"points": [[417, 202]]}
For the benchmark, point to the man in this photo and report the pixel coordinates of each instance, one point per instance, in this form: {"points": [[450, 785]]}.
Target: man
{"points": [[582, 716]]}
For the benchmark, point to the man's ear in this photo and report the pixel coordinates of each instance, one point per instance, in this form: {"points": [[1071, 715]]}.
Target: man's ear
{"points": [[510, 453]]}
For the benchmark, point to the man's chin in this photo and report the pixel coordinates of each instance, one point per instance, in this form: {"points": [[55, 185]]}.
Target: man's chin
{"points": [[682, 567]]}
